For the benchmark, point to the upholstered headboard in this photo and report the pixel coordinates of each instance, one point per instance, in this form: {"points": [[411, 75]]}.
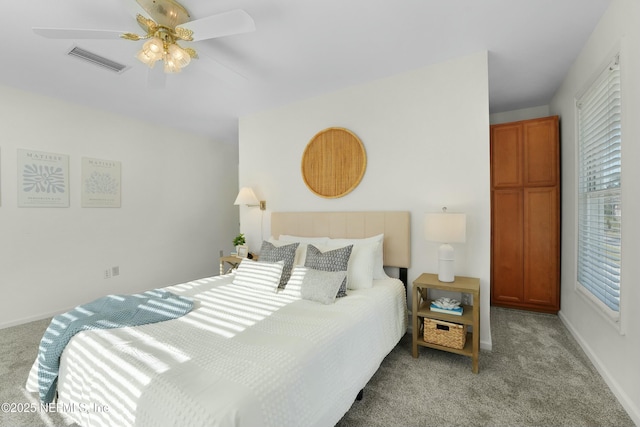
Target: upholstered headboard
{"points": [[396, 226]]}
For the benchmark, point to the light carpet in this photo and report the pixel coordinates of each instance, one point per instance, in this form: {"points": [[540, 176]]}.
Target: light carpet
{"points": [[536, 375]]}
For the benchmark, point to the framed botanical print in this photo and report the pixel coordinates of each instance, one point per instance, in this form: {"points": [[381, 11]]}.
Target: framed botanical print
{"points": [[43, 179], [101, 183]]}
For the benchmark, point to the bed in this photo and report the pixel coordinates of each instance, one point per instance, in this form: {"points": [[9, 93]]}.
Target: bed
{"points": [[245, 356]]}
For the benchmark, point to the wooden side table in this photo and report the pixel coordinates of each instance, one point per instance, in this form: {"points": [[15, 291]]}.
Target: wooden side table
{"points": [[232, 260], [469, 317]]}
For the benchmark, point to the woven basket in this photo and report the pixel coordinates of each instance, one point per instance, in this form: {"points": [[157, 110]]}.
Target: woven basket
{"points": [[446, 334]]}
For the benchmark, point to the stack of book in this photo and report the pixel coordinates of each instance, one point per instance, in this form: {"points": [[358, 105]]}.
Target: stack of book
{"points": [[446, 305]]}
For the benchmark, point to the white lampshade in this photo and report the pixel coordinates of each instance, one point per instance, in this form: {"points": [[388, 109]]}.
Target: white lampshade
{"points": [[246, 196], [445, 228]]}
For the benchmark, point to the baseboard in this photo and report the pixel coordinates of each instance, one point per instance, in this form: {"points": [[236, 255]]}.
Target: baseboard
{"points": [[486, 345], [627, 403], [32, 318]]}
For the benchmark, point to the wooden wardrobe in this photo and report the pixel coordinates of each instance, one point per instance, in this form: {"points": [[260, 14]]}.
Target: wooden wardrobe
{"points": [[525, 215]]}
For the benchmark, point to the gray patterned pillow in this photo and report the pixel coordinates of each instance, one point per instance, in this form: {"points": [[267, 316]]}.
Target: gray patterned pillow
{"points": [[287, 253], [321, 286], [333, 260]]}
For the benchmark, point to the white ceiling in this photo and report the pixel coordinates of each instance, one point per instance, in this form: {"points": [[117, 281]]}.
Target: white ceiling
{"points": [[300, 49]]}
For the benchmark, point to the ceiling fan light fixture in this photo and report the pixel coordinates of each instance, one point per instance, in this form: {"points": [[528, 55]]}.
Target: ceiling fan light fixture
{"points": [[170, 66], [163, 46], [162, 31], [146, 59], [179, 55], [152, 51]]}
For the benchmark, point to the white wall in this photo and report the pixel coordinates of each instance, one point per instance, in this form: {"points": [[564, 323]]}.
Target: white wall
{"points": [[615, 355], [176, 214], [426, 134]]}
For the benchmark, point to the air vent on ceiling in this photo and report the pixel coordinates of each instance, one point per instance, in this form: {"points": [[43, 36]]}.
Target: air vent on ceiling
{"points": [[97, 59]]}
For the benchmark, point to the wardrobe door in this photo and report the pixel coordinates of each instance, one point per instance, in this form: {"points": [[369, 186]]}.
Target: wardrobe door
{"points": [[540, 152], [541, 247], [507, 246], [506, 156]]}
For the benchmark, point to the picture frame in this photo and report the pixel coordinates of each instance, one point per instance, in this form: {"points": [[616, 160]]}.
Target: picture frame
{"points": [[243, 251], [101, 183], [43, 179]]}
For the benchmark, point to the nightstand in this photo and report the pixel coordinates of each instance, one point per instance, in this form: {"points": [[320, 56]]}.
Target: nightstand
{"points": [[470, 316], [232, 260]]}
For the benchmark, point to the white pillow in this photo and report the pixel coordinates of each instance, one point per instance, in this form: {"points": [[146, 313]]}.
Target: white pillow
{"points": [[378, 266], [361, 262], [259, 275], [301, 251], [312, 240]]}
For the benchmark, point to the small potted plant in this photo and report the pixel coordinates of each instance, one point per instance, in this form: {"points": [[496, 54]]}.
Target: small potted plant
{"points": [[239, 240]]}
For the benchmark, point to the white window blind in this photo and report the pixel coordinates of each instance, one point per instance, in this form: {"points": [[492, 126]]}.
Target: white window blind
{"points": [[599, 189]]}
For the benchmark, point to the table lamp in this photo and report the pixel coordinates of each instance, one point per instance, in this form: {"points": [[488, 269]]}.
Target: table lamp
{"points": [[445, 228]]}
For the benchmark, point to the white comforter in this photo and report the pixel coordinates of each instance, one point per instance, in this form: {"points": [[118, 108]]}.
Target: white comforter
{"points": [[240, 358]]}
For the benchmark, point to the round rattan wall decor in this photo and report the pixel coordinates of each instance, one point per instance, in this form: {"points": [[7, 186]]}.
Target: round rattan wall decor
{"points": [[333, 163]]}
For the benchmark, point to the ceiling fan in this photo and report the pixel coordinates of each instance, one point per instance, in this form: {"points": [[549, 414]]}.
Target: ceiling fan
{"points": [[167, 24]]}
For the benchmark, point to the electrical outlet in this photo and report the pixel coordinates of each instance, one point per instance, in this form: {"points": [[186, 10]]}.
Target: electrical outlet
{"points": [[115, 271], [107, 273]]}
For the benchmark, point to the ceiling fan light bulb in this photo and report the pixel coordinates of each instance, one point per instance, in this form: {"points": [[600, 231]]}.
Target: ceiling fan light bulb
{"points": [[145, 58], [154, 45], [152, 51], [170, 66], [179, 55]]}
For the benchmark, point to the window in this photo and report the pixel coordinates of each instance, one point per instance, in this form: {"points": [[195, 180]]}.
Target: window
{"points": [[599, 190]]}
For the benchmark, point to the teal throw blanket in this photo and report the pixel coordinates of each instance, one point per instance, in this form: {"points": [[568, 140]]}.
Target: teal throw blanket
{"points": [[112, 311]]}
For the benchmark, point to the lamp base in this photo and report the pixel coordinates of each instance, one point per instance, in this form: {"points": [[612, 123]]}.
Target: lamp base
{"points": [[445, 264]]}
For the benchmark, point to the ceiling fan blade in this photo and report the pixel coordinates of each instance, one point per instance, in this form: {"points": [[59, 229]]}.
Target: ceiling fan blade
{"points": [[220, 71], [222, 24], [74, 33]]}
